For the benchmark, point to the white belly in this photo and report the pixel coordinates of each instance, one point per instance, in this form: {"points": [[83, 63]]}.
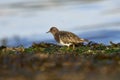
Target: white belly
{"points": [[65, 44]]}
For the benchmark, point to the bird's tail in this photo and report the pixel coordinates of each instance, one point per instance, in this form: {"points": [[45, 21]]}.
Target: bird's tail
{"points": [[86, 40]]}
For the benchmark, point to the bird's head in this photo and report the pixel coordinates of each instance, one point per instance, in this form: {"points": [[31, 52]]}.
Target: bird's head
{"points": [[53, 30]]}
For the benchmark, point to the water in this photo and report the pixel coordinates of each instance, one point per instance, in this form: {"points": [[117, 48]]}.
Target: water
{"points": [[24, 22]]}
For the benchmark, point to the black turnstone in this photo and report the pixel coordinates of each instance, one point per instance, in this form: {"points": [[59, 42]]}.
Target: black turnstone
{"points": [[66, 38]]}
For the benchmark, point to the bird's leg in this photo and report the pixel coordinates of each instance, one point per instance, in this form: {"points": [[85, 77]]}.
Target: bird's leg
{"points": [[68, 47], [73, 46]]}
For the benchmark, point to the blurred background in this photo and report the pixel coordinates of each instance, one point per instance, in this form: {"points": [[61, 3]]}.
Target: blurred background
{"points": [[23, 22]]}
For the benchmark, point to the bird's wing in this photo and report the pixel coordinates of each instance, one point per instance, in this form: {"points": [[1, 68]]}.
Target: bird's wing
{"points": [[68, 37]]}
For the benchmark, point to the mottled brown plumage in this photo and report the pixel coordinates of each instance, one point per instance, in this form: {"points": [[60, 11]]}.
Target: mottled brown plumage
{"points": [[65, 37]]}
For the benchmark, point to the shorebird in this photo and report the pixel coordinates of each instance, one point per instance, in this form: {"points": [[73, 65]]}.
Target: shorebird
{"points": [[66, 38]]}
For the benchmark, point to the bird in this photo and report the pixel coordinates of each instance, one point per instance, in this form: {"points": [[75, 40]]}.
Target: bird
{"points": [[66, 38]]}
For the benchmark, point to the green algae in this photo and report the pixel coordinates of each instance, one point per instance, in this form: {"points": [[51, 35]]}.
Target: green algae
{"points": [[46, 61], [90, 48]]}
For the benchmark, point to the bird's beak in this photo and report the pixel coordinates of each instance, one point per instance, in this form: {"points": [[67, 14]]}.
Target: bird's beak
{"points": [[48, 32]]}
